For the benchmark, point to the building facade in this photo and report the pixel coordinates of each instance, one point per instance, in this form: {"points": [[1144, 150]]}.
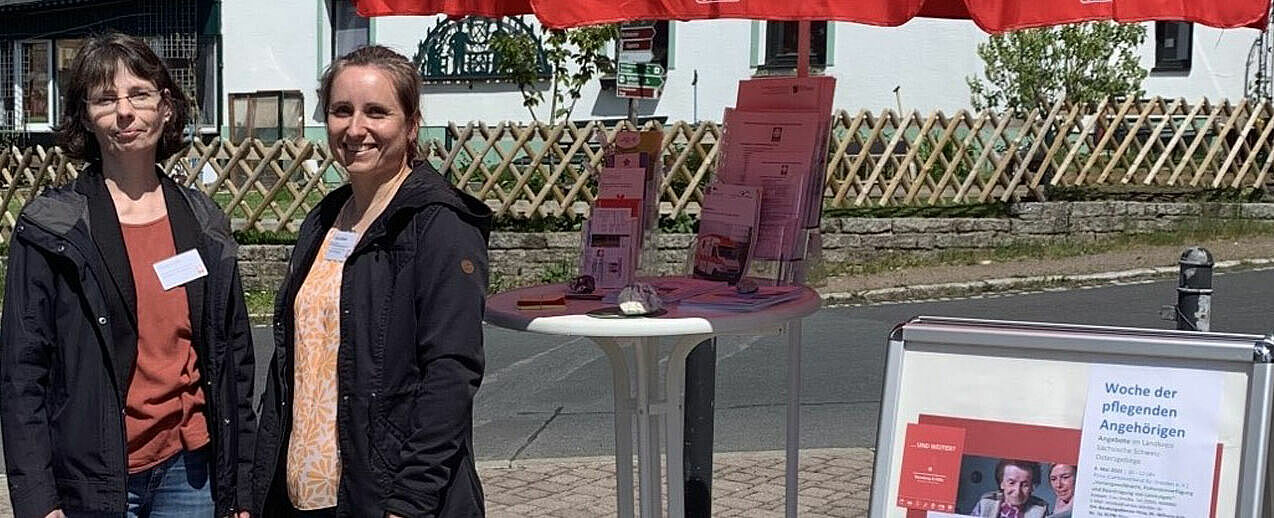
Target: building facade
{"points": [[39, 38], [253, 66]]}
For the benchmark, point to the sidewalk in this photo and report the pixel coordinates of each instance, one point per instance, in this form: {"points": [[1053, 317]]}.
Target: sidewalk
{"points": [[833, 483]]}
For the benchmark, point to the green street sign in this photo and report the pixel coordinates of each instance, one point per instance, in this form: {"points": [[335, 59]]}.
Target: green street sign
{"points": [[640, 80], [641, 68]]}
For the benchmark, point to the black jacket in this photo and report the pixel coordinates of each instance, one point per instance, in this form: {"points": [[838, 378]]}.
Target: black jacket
{"points": [[68, 344], [409, 361]]}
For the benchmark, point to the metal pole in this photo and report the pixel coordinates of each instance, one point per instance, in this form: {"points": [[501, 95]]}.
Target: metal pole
{"points": [[793, 436], [700, 406], [1194, 290], [803, 49], [632, 112]]}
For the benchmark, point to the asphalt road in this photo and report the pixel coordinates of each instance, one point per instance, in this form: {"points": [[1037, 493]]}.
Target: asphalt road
{"points": [[547, 396]]}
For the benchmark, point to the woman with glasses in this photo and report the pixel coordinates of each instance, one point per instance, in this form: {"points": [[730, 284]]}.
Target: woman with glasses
{"points": [[125, 355]]}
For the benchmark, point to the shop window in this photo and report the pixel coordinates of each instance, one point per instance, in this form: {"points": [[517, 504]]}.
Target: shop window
{"points": [[267, 115], [660, 46], [782, 44], [1173, 45], [65, 51], [8, 86], [349, 30], [207, 94], [35, 83]]}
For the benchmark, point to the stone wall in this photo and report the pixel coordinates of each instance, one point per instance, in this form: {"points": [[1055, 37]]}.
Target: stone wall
{"points": [[527, 258]]}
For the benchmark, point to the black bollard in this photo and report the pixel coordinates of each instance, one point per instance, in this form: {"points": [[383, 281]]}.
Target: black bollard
{"points": [[701, 387], [1194, 290]]}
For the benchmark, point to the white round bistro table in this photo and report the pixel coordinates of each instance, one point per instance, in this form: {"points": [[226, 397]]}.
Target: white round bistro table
{"points": [[652, 406]]}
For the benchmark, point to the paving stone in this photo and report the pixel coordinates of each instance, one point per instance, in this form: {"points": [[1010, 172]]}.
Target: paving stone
{"points": [[833, 483]]}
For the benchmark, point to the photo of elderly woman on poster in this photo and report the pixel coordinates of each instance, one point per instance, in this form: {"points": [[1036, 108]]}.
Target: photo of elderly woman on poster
{"points": [[1017, 480]]}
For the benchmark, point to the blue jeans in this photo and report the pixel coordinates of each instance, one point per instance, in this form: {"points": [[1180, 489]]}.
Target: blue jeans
{"points": [[179, 487]]}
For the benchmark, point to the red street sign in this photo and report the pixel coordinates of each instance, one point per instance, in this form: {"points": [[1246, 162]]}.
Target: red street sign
{"points": [[637, 33], [637, 92], [637, 45]]}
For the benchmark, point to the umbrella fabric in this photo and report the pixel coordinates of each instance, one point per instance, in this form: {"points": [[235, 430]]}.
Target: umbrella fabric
{"points": [[990, 15], [570, 13], [454, 8], [1006, 15]]}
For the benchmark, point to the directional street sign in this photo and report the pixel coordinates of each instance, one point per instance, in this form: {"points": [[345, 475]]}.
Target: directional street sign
{"points": [[637, 33], [637, 44], [636, 56], [638, 77], [640, 80], [637, 92], [641, 68]]}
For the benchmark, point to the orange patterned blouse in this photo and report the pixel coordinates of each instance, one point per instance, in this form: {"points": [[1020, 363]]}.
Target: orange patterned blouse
{"points": [[314, 463]]}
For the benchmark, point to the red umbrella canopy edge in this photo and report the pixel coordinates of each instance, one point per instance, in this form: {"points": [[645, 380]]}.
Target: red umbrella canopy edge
{"points": [[453, 8], [991, 15]]}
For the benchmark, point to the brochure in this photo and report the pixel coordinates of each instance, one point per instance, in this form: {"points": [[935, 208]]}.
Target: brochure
{"points": [[625, 209], [609, 246], [750, 135], [783, 185], [623, 183], [727, 231], [639, 149], [728, 299], [810, 94], [672, 290]]}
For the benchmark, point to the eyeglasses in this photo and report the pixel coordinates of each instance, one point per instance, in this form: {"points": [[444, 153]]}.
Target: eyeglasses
{"points": [[141, 100]]}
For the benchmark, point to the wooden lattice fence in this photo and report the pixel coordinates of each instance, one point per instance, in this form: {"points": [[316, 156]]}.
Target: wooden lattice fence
{"points": [[531, 170]]}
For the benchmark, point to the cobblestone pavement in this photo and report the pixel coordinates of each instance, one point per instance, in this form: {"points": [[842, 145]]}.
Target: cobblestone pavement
{"points": [[833, 483]]}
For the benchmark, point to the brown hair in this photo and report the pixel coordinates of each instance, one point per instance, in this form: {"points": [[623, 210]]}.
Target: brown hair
{"points": [[402, 75], [1025, 465], [95, 65]]}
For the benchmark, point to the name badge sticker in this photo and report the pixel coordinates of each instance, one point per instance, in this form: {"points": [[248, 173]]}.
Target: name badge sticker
{"points": [[180, 269], [341, 246]]}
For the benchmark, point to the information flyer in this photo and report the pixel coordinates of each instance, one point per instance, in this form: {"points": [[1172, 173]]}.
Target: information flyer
{"points": [[1149, 443], [727, 230], [931, 467]]}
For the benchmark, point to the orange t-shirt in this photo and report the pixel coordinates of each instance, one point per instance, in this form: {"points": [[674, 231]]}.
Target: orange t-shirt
{"points": [[164, 411]]}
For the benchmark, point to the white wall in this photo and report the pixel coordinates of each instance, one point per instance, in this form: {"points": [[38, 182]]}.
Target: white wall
{"points": [[1217, 67], [927, 59], [259, 54]]}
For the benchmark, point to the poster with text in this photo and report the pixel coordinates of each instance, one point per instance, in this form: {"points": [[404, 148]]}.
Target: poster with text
{"points": [[1149, 443]]}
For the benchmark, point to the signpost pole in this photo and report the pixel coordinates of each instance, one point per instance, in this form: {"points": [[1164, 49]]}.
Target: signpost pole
{"points": [[803, 49]]}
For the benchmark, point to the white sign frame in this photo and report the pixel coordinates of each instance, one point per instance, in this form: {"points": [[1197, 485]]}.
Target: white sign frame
{"points": [[1250, 356]]}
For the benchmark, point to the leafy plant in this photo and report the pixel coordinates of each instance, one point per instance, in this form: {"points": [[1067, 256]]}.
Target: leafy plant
{"points": [[264, 237], [1082, 62], [560, 271], [575, 57]]}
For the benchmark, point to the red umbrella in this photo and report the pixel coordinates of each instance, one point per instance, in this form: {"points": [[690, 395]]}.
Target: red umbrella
{"points": [[990, 15], [454, 8]]}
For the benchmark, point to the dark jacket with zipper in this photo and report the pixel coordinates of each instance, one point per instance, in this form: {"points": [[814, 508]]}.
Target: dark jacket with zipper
{"points": [[68, 345], [409, 360]]}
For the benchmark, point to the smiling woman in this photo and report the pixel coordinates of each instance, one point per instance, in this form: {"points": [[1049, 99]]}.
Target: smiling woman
{"points": [[382, 315]]}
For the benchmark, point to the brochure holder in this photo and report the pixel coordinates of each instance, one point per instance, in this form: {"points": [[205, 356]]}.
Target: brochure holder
{"points": [[618, 240], [964, 393]]}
